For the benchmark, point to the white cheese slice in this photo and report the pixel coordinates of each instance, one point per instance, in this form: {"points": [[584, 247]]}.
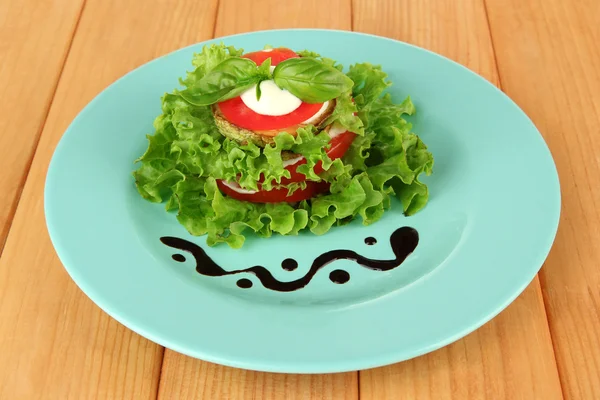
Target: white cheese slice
{"points": [[336, 129], [273, 100], [237, 188], [292, 161], [318, 114]]}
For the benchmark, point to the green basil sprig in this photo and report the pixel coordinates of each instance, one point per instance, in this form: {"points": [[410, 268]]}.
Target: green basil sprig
{"points": [[227, 80], [265, 71], [308, 79], [311, 80]]}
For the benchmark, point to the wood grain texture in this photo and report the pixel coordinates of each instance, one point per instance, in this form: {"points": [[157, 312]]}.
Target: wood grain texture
{"points": [[511, 357], [34, 40], [508, 358], [186, 378], [56, 344], [549, 61], [243, 16]]}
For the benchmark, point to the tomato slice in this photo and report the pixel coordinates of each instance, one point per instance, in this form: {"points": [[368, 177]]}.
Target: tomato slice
{"points": [[339, 145], [277, 55], [235, 110], [238, 113], [276, 195]]}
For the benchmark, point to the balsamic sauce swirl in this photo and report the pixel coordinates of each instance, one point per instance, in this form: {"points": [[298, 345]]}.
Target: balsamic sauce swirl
{"points": [[403, 242]]}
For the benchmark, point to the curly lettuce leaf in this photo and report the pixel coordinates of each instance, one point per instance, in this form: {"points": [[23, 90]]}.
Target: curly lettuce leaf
{"points": [[345, 113], [327, 61], [358, 152], [207, 59], [369, 82], [396, 156], [203, 210], [187, 142], [156, 163]]}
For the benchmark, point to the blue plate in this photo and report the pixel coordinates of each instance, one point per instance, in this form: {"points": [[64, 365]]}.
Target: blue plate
{"points": [[489, 224]]}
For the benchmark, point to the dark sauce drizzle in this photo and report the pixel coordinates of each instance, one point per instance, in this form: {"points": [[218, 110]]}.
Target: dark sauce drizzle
{"points": [[289, 264], [339, 276], [370, 241], [244, 283], [403, 241], [178, 257]]}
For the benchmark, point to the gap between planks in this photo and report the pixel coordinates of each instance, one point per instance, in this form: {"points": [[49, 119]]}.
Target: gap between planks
{"points": [[5, 229]]}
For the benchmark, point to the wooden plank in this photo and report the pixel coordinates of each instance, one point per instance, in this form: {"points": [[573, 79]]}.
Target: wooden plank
{"points": [[549, 61], [56, 344], [508, 358], [511, 356], [185, 378], [34, 41], [243, 16]]}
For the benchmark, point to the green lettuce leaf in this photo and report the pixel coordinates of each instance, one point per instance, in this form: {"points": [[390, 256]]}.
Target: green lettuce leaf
{"points": [[207, 59], [328, 209], [346, 114], [187, 140], [324, 60], [203, 210], [369, 82], [358, 153]]}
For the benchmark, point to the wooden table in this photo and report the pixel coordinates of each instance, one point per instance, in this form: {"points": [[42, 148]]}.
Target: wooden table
{"points": [[56, 55]]}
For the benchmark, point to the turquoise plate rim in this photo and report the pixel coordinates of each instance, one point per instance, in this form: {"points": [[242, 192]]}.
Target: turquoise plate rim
{"points": [[291, 366]]}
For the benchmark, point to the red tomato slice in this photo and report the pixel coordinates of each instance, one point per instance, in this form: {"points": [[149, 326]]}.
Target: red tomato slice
{"points": [[276, 195], [277, 55], [235, 111], [339, 145]]}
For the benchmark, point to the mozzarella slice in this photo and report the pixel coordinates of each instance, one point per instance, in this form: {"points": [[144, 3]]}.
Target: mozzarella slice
{"points": [[237, 188], [292, 161], [273, 100], [318, 114], [336, 129]]}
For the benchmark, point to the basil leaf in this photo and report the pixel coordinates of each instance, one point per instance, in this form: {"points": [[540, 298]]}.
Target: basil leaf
{"points": [[311, 80], [265, 68], [227, 80], [265, 73], [258, 92]]}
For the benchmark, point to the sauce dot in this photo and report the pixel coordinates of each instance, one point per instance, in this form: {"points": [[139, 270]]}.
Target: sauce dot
{"points": [[289, 264], [339, 276], [370, 241], [178, 257], [244, 283]]}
